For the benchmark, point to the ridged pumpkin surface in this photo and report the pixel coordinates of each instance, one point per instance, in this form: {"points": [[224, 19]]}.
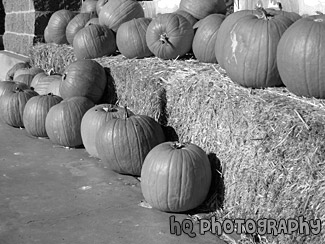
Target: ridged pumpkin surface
{"points": [[83, 78], [94, 41], [35, 113], [250, 50], [200, 9], [63, 121], [116, 12], [204, 41], [131, 38], [169, 36], [124, 143], [187, 16], [9, 86], [94, 119], [175, 178], [301, 57], [77, 23]]}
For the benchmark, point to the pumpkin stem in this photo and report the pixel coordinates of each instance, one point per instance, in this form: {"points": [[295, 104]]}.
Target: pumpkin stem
{"points": [[178, 145], [164, 38], [279, 5], [18, 89], [127, 115], [264, 15], [319, 13], [50, 94]]}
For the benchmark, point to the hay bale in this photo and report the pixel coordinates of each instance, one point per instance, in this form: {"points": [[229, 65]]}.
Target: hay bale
{"points": [[270, 143]]}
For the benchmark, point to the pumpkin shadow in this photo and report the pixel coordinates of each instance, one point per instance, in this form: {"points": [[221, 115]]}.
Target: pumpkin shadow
{"points": [[109, 95], [170, 133]]}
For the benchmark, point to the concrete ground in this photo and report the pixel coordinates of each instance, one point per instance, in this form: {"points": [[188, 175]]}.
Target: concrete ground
{"points": [[55, 195]]}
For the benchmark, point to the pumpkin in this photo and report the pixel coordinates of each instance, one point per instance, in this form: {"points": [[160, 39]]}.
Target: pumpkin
{"points": [[42, 81], [63, 120], [188, 16], [176, 177], [92, 21], [12, 106], [116, 12], [131, 38], [301, 57], [291, 15], [35, 112], [26, 75], [9, 86], [205, 37], [123, 143], [77, 23], [47, 35], [223, 33], [93, 119], [83, 78], [169, 36], [54, 87], [250, 50], [88, 7], [94, 41], [57, 26], [11, 72], [100, 4], [203, 8]]}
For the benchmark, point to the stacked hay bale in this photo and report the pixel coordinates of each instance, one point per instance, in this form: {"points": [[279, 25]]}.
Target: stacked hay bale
{"points": [[26, 20]]}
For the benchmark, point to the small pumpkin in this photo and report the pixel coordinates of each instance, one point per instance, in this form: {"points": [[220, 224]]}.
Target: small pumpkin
{"points": [[176, 177], [88, 7], [11, 72], [9, 86], [12, 106], [77, 23], [116, 12], [42, 81], [169, 36], [83, 78], [203, 8], [301, 57], [94, 41], [35, 113], [250, 50], [203, 45], [63, 121], [93, 119], [131, 38], [57, 26], [123, 143]]}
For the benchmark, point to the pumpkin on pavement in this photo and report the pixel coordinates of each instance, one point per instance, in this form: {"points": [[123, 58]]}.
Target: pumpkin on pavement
{"points": [[35, 112], [169, 36], [93, 119], [176, 177], [63, 121], [123, 143], [83, 78], [12, 106]]}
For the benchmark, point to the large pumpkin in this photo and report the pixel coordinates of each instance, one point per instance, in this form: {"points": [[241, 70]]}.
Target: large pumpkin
{"points": [[12, 106], [250, 50], [83, 78], [301, 57], [9, 86], [35, 112], [203, 8], [123, 143], [94, 41], [57, 26], [205, 37], [11, 72], [131, 38], [116, 12], [77, 23], [93, 119], [169, 36], [63, 121], [175, 177]]}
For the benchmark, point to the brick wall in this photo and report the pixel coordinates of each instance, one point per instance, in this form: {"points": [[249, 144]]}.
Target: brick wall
{"points": [[25, 21]]}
